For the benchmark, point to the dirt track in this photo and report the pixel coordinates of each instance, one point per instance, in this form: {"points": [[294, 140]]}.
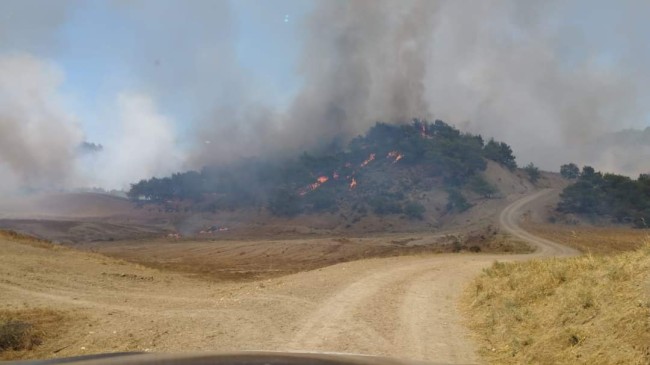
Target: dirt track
{"points": [[402, 307]]}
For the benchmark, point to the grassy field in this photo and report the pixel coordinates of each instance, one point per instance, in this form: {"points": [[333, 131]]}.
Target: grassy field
{"points": [[595, 240], [592, 309]]}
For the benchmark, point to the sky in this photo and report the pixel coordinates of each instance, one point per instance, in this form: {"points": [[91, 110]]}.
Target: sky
{"points": [[95, 37], [170, 85]]}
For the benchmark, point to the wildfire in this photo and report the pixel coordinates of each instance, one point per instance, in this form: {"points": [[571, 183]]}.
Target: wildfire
{"points": [[395, 155], [370, 159], [313, 186], [424, 131], [353, 183]]}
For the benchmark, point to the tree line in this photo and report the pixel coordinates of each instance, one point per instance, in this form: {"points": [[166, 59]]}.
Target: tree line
{"points": [[430, 155], [595, 194]]}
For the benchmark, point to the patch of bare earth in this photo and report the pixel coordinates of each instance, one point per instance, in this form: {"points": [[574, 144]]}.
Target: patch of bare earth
{"points": [[251, 259]]}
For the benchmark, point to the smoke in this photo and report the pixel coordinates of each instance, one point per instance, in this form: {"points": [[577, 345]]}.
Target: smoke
{"points": [[146, 146], [38, 136], [28, 25], [518, 71], [363, 61], [530, 74], [524, 73], [549, 78]]}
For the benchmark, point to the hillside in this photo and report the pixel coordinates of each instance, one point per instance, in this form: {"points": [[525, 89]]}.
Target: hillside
{"points": [[413, 176]]}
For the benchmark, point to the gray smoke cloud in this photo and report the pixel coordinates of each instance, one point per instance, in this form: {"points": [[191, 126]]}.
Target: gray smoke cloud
{"points": [[549, 78], [362, 61], [524, 72], [38, 137]]}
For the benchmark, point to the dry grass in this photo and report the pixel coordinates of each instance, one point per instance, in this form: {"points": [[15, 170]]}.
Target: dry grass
{"points": [[587, 309], [23, 238], [596, 240], [21, 331]]}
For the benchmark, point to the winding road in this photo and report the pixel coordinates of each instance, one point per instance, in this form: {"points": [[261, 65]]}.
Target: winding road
{"points": [[401, 307]]}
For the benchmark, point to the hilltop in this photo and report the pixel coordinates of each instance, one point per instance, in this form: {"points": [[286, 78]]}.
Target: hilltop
{"points": [[419, 175]]}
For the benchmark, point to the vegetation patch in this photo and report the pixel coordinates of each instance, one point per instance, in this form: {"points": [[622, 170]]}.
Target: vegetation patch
{"points": [[385, 171], [594, 240], [23, 238], [614, 197], [21, 331], [582, 310]]}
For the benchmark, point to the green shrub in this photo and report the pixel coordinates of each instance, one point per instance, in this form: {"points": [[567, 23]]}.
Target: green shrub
{"points": [[533, 172], [569, 171], [478, 185]]}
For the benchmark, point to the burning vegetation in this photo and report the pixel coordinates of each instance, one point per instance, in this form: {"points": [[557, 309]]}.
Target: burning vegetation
{"points": [[419, 157]]}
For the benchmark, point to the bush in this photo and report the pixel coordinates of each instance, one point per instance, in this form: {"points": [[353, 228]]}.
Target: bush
{"points": [[533, 172], [569, 171], [414, 210], [17, 335], [478, 185]]}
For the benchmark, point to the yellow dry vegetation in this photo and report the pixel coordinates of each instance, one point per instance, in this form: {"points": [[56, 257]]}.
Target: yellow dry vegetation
{"points": [[596, 240], [22, 331], [26, 239], [581, 310]]}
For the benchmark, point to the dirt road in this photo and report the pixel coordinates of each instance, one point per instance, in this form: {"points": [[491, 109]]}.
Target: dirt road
{"points": [[402, 307], [508, 219]]}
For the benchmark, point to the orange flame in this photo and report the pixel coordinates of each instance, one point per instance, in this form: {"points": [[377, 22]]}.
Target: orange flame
{"points": [[395, 155], [370, 158], [313, 186], [353, 183]]}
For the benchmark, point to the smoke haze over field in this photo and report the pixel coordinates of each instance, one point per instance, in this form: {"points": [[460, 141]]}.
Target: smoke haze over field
{"points": [[37, 137], [173, 84]]}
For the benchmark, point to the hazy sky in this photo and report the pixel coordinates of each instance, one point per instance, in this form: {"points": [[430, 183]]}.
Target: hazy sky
{"points": [[167, 85], [96, 36]]}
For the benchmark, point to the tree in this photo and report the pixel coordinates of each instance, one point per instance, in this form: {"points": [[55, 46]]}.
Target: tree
{"points": [[501, 153], [570, 171], [533, 172]]}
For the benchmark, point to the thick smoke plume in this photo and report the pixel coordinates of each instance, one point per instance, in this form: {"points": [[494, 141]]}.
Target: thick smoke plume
{"points": [[520, 71], [37, 136], [550, 78]]}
